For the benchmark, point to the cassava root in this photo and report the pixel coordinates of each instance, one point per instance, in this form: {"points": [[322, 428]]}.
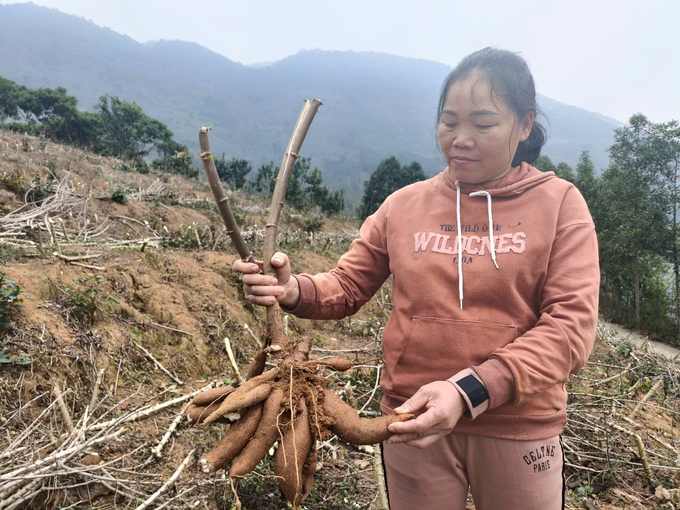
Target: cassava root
{"points": [[290, 402]]}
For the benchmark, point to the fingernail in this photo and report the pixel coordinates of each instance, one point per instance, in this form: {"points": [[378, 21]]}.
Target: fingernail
{"points": [[399, 410], [281, 290], [277, 260], [274, 281], [254, 267]]}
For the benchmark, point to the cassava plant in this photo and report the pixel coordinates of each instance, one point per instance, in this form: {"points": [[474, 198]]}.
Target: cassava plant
{"points": [[291, 402]]}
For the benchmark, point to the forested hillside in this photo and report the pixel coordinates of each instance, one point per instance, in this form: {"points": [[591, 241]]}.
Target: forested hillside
{"points": [[375, 105]]}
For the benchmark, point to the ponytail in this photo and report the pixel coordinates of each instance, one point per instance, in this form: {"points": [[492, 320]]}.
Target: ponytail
{"points": [[530, 149]]}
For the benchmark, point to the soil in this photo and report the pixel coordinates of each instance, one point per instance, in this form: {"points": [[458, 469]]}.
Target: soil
{"points": [[179, 301]]}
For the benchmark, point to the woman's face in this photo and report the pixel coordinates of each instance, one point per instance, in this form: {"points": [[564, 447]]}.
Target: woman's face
{"points": [[479, 132]]}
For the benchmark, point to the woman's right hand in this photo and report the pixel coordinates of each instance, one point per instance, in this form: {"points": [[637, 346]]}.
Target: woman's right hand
{"points": [[265, 290]]}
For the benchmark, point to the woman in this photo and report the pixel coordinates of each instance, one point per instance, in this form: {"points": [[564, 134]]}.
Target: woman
{"points": [[496, 284]]}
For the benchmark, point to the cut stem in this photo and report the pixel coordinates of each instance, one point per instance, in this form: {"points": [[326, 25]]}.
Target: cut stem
{"points": [[167, 484], [232, 360], [221, 197], [275, 333], [62, 407]]}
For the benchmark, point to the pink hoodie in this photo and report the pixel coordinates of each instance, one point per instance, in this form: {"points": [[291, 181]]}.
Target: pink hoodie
{"points": [[518, 312]]}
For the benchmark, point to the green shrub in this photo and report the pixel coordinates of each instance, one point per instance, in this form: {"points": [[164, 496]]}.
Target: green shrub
{"points": [[120, 194], [15, 183], [85, 302], [9, 301], [142, 166], [313, 224], [6, 359], [39, 190]]}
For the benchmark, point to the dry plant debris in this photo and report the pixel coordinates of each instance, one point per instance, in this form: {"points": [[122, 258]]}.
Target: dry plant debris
{"points": [[132, 439]]}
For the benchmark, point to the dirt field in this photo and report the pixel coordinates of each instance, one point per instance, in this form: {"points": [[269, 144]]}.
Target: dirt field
{"points": [[159, 278]]}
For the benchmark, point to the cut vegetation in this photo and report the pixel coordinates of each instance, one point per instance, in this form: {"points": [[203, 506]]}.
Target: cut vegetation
{"points": [[115, 436]]}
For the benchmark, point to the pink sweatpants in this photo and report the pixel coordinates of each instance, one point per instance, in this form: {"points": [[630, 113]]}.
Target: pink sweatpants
{"points": [[502, 474]]}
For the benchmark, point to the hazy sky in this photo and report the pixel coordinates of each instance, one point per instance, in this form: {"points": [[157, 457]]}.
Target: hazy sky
{"points": [[614, 57]]}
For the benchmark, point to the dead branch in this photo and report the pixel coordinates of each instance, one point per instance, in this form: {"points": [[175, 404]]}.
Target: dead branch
{"points": [[50, 223], [253, 335], [159, 365], [171, 329], [143, 413], [651, 392], [95, 392], [62, 407], [157, 450], [232, 360], [170, 481], [380, 478], [79, 257]]}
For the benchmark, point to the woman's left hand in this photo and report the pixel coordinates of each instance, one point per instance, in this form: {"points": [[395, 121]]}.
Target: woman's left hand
{"points": [[444, 406]]}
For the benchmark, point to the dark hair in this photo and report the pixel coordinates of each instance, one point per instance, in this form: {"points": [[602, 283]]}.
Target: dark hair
{"points": [[510, 78]]}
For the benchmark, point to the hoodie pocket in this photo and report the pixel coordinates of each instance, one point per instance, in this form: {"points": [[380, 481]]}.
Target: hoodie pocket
{"points": [[436, 349]]}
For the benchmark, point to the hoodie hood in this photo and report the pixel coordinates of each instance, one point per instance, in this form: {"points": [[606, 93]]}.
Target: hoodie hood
{"points": [[517, 181]]}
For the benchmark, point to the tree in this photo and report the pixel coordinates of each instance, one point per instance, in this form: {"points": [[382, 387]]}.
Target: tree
{"points": [[586, 181], [387, 178], [544, 164], [321, 196], [42, 105], [295, 195], [668, 143], [81, 129], [9, 96], [564, 171], [633, 232], [127, 132], [175, 158], [118, 128], [51, 113], [233, 172], [264, 182], [305, 189]]}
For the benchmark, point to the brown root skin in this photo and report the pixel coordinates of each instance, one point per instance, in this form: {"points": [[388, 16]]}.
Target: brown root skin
{"points": [[310, 469], [232, 442], [295, 445], [300, 351], [251, 398], [258, 364], [263, 439], [337, 364], [212, 396], [353, 429], [198, 414], [243, 389]]}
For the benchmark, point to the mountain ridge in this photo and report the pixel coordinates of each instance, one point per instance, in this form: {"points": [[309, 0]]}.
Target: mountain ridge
{"points": [[375, 104]]}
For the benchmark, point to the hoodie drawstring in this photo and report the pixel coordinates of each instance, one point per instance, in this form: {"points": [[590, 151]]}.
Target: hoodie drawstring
{"points": [[492, 249], [488, 201], [460, 248]]}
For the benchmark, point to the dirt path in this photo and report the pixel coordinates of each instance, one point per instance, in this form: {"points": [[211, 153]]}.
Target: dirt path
{"points": [[639, 340]]}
